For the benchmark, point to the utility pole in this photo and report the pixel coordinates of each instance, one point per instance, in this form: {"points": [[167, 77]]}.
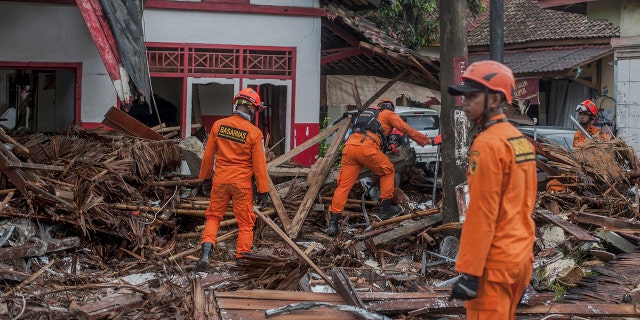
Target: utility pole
{"points": [[496, 30], [455, 126]]}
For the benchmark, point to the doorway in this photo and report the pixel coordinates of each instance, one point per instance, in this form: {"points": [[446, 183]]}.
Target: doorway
{"points": [[275, 120], [209, 99], [38, 100]]}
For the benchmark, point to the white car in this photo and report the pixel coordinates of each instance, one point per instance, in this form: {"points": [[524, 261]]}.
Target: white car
{"points": [[427, 121]]}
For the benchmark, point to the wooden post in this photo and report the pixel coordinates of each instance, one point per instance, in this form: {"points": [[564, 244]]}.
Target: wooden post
{"points": [[316, 178], [453, 60]]}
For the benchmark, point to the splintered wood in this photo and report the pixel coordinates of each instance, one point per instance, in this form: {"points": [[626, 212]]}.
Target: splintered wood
{"points": [[98, 225]]}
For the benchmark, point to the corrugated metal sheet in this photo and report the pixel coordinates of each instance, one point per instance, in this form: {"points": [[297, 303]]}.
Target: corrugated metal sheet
{"points": [[553, 59]]}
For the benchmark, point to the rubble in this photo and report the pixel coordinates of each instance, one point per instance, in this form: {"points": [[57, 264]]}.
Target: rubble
{"points": [[100, 225]]}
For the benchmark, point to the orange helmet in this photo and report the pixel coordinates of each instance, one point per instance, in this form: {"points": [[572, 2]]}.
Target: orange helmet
{"points": [[247, 96], [589, 107], [386, 104], [489, 74]]}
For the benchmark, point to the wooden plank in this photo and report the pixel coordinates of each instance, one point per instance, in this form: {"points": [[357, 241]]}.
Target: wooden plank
{"points": [[346, 289], [405, 217], [316, 179], [122, 122], [21, 150], [577, 232], [102, 308], [289, 172], [383, 89], [424, 70], [16, 176], [404, 229], [304, 146], [607, 222], [282, 295], [583, 309], [277, 203], [258, 304], [8, 274], [408, 227], [436, 305], [35, 166], [319, 314], [293, 246], [37, 249], [370, 296]]}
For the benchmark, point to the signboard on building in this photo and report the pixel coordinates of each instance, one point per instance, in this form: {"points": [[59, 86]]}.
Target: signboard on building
{"points": [[527, 89]]}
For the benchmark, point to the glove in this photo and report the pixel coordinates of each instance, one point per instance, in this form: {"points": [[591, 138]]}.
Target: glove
{"points": [[436, 140], [263, 200], [465, 288]]}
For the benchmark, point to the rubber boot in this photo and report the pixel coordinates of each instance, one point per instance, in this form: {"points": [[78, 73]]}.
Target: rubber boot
{"points": [[203, 263], [332, 230], [388, 210]]}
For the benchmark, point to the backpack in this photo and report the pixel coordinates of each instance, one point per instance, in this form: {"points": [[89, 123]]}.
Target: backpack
{"points": [[367, 121]]}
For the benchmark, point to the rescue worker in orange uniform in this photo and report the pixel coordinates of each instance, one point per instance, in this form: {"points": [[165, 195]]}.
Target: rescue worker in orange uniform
{"points": [[496, 246], [587, 113], [235, 146], [364, 149]]}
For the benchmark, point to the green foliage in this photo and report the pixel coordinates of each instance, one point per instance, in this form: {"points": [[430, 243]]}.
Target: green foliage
{"points": [[415, 23], [323, 145], [559, 291]]}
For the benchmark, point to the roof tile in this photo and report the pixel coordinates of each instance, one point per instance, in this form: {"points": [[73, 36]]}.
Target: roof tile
{"points": [[525, 21]]}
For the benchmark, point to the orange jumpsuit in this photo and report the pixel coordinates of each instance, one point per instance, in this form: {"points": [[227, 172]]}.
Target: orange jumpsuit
{"points": [[498, 234], [579, 138], [237, 146], [364, 151]]}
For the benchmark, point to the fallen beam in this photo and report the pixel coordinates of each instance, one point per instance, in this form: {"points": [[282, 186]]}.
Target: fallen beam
{"points": [[293, 246], [103, 308], [607, 222], [405, 217], [38, 249], [582, 309], [316, 178], [577, 232]]}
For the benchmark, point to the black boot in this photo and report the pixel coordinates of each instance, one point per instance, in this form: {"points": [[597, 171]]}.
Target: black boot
{"points": [[332, 230], [388, 210], [203, 263]]}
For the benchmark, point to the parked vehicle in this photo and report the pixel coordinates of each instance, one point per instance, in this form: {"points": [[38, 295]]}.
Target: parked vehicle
{"points": [[427, 121], [552, 135], [557, 135]]}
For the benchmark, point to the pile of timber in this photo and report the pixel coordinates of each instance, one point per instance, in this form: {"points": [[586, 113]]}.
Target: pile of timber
{"points": [[99, 225]]}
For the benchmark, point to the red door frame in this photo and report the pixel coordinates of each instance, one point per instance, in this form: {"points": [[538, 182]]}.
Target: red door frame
{"points": [[76, 67]]}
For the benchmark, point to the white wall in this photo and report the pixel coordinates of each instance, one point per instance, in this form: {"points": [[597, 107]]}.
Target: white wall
{"points": [[57, 33], [628, 99], [303, 33]]}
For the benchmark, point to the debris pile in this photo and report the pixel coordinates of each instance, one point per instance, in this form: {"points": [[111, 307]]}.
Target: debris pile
{"points": [[101, 225]]}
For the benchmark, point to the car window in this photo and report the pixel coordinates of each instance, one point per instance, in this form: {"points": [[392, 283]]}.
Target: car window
{"points": [[564, 139], [421, 122], [560, 136]]}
